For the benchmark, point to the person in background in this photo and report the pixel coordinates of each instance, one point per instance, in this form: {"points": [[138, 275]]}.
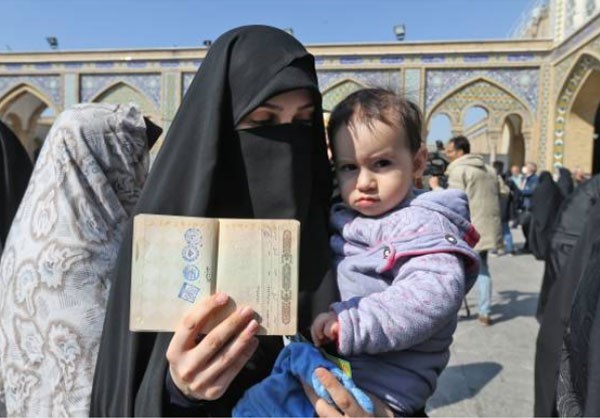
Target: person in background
{"points": [[565, 181], [516, 175], [528, 184], [15, 171], [545, 203], [515, 186], [580, 177], [468, 172], [506, 205], [60, 253]]}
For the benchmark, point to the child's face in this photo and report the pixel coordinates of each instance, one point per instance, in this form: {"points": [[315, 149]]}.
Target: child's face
{"points": [[374, 166]]}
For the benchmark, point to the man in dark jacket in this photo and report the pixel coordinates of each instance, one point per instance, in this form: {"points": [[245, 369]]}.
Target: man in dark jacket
{"points": [[528, 185]]}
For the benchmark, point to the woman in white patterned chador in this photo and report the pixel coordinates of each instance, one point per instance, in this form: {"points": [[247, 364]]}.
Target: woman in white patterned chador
{"points": [[59, 253]]}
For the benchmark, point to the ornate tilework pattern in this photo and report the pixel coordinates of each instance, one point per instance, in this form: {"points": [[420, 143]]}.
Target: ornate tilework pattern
{"points": [[171, 84], [48, 85], [544, 118], [187, 80], [148, 84], [595, 45], [371, 78], [71, 93], [561, 72], [590, 7], [497, 102], [571, 44], [566, 97], [522, 82], [338, 93], [412, 85], [123, 93], [569, 16], [562, 69]]}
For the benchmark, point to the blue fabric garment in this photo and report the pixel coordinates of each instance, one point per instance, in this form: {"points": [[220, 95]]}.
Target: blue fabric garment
{"points": [[281, 394]]}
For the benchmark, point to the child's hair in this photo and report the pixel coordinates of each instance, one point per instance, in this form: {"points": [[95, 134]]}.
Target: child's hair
{"points": [[367, 105]]}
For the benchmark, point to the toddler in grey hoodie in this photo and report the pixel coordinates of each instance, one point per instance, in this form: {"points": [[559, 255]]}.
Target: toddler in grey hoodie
{"points": [[403, 258]]}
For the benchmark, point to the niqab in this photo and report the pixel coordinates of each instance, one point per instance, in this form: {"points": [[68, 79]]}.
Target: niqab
{"points": [[15, 171], [207, 168], [60, 253]]}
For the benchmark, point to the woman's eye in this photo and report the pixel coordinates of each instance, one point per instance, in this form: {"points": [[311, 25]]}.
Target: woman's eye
{"points": [[262, 122], [345, 168], [382, 163]]}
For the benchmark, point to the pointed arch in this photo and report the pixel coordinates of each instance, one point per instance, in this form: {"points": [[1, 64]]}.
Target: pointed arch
{"points": [[567, 75], [121, 92], [571, 92], [22, 107], [21, 89], [339, 90], [472, 82]]}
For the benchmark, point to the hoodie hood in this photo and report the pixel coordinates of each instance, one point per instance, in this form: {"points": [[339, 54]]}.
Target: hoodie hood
{"points": [[421, 212], [424, 223]]}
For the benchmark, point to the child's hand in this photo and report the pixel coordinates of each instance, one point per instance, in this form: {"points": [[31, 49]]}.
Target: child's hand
{"points": [[325, 328]]}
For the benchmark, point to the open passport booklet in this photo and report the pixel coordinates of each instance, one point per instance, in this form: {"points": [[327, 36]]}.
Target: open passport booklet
{"points": [[178, 261]]}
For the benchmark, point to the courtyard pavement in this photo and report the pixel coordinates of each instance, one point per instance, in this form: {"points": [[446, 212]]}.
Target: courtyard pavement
{"points": [[490, 372]]}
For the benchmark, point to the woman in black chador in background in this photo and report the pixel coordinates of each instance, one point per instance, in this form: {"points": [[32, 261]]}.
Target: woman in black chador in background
{"points": [[15, 170]]}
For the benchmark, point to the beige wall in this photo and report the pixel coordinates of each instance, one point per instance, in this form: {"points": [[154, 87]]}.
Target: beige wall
{"points": [[579, 127]]}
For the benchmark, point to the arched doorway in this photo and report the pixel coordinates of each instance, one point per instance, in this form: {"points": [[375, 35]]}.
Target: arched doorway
{"points": [[475, 125], [581, 126], [29, 115], [512, 146], [439, 129]]}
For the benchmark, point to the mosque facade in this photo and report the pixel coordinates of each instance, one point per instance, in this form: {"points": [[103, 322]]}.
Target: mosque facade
{"points": [[539, 90]]}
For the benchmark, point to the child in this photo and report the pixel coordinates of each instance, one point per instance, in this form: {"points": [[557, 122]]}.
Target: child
{"points": [[403, 258], [403, 261]]}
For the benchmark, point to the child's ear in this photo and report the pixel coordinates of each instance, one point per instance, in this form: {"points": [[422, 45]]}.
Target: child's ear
{"points": [[420, 161]]}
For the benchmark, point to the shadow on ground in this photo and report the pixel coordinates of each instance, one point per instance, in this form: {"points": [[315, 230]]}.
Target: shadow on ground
{"points": [[511, 304], [462, 382]]}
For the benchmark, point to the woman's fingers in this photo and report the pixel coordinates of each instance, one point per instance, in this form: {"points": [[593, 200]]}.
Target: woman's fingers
{"points": [[322, 408], [222, 334], [238, 350], [221, 381], [187, 330], [204, 370], [343, 399]]}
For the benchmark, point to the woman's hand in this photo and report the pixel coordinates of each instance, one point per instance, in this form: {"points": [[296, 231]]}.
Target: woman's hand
{"points": [[345, 404], [204, 369]]}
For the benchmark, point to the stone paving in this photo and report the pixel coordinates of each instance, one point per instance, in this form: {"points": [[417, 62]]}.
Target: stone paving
{"points": [[491, 368]]}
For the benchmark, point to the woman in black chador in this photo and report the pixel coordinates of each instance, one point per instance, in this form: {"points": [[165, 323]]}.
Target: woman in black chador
{"points": [[247, 142], [16, 170], [569, 252], [545, 202], [578, 383]]}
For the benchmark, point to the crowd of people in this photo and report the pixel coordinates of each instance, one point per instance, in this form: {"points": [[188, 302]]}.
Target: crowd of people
{"points": [[559, 220], [383, 270]]}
